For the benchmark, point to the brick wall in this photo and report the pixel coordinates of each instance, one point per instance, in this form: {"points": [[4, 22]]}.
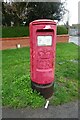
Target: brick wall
{"points": [[62, 38], [11, 43]]}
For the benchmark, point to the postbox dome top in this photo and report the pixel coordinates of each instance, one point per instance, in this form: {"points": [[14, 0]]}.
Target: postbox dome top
{"points": [[43, 21]]}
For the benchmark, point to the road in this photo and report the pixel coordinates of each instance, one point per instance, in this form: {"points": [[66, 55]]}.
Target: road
{"points": [[68, 110]]}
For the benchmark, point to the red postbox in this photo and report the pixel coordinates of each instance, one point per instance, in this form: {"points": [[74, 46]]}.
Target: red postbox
{"points": [[42, 55]]}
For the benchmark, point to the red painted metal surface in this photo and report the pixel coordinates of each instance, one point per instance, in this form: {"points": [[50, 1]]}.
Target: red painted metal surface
{"points": [[42, 51]]}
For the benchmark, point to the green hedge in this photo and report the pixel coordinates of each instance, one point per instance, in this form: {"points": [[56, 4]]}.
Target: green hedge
{"points": [[22, 31], [61, 30]]}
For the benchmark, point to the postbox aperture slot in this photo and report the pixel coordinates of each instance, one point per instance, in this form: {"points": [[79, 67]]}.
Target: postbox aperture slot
{"points": [[44, 30]]}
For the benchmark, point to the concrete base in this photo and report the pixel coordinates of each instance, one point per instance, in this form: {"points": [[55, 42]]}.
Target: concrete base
{"points": [[45, 90]]}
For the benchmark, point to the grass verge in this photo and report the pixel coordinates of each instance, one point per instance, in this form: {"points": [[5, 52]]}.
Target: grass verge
{"points": [[16, 89]]}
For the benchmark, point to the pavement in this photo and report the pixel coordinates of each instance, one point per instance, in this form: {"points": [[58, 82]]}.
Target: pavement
{"points": [[68, 110], [75, 39]]}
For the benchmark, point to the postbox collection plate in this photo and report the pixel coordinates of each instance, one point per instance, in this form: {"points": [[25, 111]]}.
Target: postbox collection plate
{"points": [[44, 40]]}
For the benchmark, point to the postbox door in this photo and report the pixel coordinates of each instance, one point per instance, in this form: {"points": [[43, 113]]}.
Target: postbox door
{"points": [[44, 55]]}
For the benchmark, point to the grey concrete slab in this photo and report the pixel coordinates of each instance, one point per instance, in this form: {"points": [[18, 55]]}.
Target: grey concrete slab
{"points": [[68, 110], [75, 39]]}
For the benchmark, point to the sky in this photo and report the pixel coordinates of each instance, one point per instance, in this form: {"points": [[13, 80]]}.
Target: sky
{"points": [[72, 16]]}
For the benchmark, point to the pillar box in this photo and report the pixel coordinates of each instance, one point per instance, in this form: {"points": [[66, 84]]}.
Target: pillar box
{"points": [[42, 55]]}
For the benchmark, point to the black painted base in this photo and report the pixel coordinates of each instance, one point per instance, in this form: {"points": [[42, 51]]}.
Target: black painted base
{"points": [[45, 90]]}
